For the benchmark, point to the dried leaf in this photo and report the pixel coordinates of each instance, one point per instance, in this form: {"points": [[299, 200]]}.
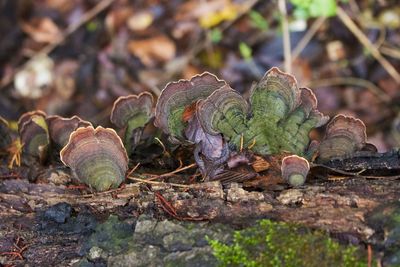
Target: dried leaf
{"points": [[153, 50], [42, 30]]}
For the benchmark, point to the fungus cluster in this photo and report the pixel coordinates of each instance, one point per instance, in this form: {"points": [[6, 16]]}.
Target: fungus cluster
{"points": [[275, 121], [232, 136]]}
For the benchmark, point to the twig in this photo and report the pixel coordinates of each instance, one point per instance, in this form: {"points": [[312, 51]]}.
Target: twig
{"points": [[162, 145], [133, 169], [166, 205], [389, 51], [342, 15], [356, 174], [307, 37], [335, 81], [157, 183], [83, 20], [180, 169], [71, 29], [286, 37], [369, 255], [171, 210]]}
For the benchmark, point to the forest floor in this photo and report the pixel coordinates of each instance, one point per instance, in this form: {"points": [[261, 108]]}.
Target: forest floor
{"points": [[90, 52]]}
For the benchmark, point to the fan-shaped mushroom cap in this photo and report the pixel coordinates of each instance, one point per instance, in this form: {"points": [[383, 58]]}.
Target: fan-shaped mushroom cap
{"points": [[97, 157], [61, 128], [295, 169], [282, 115], [136, 108], [224, 111], [344, 136], [275, 95], [34, 134], [27, 115], [5, 138], [176, 96]]}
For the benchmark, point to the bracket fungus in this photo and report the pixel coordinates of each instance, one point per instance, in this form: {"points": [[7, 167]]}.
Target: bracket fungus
{"points": [[280, 118], [294, 170], [96, 157], [34, 134], [132, 112], [344, 135], [224, 111], [61, 128], [177, 97], [277, 119]]}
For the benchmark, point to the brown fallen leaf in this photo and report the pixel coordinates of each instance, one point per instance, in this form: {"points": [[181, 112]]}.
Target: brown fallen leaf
{"points": [[153, 50], [117, 18], [42, 30]]}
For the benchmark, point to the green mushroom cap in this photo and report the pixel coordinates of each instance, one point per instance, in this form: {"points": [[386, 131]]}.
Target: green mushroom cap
{"points": [[96, 157], [177, 96], [294, 170], [34, 134]]}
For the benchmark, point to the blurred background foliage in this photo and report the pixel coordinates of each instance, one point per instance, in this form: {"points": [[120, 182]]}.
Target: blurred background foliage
{"points": [[76, 57]]}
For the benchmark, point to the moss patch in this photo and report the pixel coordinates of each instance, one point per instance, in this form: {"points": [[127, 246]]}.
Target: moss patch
{"points": [[279, 244]]}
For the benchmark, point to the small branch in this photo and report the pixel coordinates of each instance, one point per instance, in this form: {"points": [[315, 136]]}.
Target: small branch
{"points": [[157, 183], [286, 37], [342, 15], [180, 169], [307, 37], [389, 51], [83, 20]]}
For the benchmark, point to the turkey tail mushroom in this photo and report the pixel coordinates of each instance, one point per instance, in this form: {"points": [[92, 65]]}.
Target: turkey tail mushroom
{"points": [[34, 134], [274, 96], [294, 170], [344, 136], [96, 157], [61, 128], [282, 115], [177, 97], [132, 112], [224, 111]]}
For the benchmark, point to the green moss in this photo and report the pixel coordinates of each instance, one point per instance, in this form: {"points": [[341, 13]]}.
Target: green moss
{"points": [[280, 244]]}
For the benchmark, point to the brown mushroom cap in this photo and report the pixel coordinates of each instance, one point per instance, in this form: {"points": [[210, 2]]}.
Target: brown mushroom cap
{"points": [[34, 134], [136, 107], [295, 169], [97, 157], [61, 128], [27, 115], [177, 96], [344, 136]]}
